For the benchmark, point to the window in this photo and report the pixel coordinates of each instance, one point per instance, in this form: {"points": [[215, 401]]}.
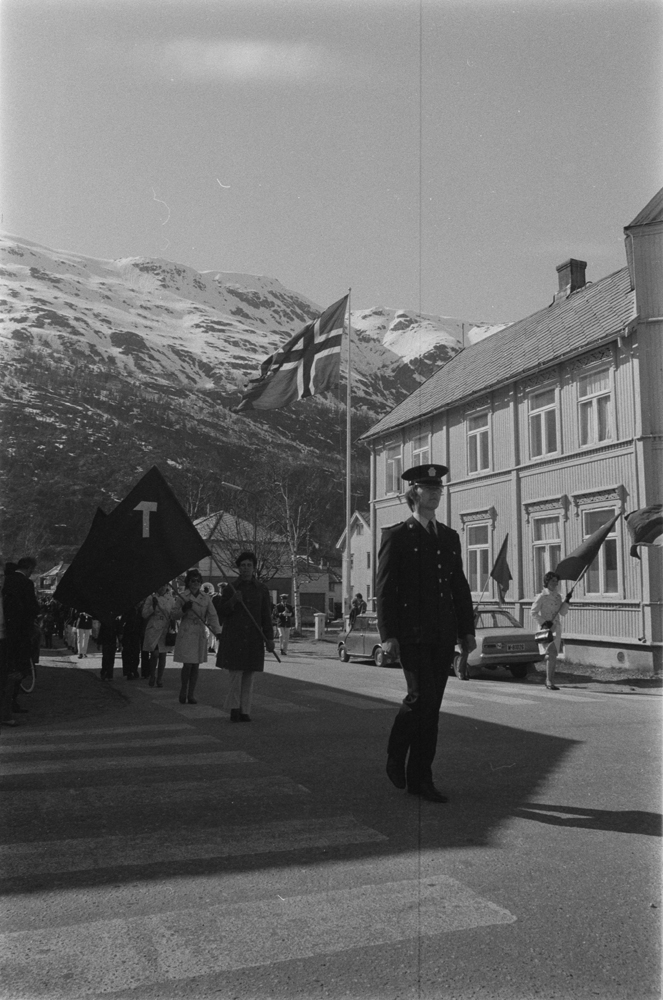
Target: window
{"points": [[421, 450], [368, 597], [394, 469], [368, 560], [477, 443], [595, 408], [359, 528], [477, 557], [542, 423], [602, 577], [547, 548]]}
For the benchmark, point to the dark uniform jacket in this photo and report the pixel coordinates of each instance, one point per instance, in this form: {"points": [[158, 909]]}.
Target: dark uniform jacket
{"points": [[422, 594]]}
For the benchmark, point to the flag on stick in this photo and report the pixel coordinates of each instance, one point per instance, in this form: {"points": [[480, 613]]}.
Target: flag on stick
{"points": [[142, 544], [645, 527], [501, 572], [309, 363], [577, 562]]}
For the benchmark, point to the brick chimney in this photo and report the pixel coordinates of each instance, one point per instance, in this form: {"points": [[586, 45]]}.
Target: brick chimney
{"points": [[571, 276]]}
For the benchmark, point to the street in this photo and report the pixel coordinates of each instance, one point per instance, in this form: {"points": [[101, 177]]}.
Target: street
{"points": [[156, 850]]}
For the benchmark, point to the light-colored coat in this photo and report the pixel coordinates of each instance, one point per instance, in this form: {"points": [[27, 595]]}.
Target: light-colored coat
{"points": [[550, 607], [167, 610], [191, 642]]}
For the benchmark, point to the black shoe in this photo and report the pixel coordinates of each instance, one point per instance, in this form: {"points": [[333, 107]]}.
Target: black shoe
{"points": [[428, 792], [283, 652], [182, 700], [192, 701], [234, 715], [396, 772], [80, 656], [151, 682], [243, 717]]}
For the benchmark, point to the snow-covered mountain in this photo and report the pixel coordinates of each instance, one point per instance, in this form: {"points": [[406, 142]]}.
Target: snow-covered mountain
{"points": [[140, 359]]}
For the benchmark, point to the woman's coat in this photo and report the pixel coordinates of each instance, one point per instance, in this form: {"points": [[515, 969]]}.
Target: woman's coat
{"points": [[550, 607], [242, 645], [159, 619], [191, 642]]}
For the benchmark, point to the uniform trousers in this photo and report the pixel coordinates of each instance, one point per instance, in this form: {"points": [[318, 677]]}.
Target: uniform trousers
{"points": [[284, 637], [414, 732], [240, 690]]}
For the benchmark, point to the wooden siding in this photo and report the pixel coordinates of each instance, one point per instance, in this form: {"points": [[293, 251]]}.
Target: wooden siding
{"points": [[613, 474]]}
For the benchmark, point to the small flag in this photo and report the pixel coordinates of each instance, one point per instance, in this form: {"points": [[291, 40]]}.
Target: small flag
{"points": [[501, 572], [577, 562], [645, 527], [309, 363], [147, 540]]}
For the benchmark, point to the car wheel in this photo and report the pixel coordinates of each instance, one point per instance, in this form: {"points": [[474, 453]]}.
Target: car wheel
{"points": [[378, 656], [342, 654], [519, 670]]}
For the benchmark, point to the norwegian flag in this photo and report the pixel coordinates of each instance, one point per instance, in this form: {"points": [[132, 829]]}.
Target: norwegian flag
{"points": [[309, 363]]}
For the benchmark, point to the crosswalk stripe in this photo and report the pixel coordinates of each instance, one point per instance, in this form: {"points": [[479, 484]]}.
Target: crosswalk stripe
{"points": [[218, 758], [263, 701], [84, 854], [67, 963], [345, 699], [21, 807], [32, 736], [520, 696], [184, 739]]}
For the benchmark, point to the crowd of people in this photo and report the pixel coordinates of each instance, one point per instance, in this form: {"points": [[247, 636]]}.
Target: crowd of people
{"points": [[236, 624], [424, 610]]}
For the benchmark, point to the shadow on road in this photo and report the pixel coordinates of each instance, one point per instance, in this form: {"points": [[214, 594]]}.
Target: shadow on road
{"points": [[334, 749], [615, 821]]}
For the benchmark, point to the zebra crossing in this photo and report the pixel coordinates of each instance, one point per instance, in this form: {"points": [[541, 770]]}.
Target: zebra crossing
{"points": [[180, 807]]}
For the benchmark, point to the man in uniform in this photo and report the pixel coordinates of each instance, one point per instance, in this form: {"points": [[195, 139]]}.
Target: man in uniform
{"points": [[283, 613], [424, 607]]}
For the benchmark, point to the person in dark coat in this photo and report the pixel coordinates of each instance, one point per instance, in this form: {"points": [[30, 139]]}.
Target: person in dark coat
{"points": [[424, 607], [243, 641], [21, 609], [131, 639], [109, 629]]}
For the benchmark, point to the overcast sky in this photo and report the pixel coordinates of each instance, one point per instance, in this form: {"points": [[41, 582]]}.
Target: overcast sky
{"points": [[436, 155]]}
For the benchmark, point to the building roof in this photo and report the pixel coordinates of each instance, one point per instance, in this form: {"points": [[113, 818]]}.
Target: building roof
{"points": [[652, 212], [362, 515], [593, 314]]}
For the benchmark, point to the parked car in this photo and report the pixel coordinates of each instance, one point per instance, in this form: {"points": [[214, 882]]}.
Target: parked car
{"points": [[361, 641], [501, 642], [308, 615]]}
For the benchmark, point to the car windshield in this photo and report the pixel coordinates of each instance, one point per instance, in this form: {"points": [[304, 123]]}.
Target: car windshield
{"points": [[496, 619]]}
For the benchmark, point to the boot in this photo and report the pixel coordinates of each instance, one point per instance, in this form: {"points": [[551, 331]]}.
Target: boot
{"points": [[193, 677], [186, 671]]}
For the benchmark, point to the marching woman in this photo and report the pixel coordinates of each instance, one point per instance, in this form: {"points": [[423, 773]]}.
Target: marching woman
{"points": [[547, 610], [196, 610], [159, 610], [243, 641]]}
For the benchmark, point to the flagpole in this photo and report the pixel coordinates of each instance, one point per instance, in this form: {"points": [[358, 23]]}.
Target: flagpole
{"points": [[348, 470]]}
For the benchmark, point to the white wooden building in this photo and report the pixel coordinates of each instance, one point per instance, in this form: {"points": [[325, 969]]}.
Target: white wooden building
{"points": [[549, 428], [361, 556]]}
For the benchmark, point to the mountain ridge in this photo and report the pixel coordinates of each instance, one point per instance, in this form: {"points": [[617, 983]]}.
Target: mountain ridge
{"points": [[113, 366]]}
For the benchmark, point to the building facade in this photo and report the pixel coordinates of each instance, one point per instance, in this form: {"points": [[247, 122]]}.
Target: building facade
{"points": [[361, 556], [550, 428]]}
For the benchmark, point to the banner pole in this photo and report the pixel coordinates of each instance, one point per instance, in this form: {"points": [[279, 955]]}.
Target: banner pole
{"points": [[348, 472]]}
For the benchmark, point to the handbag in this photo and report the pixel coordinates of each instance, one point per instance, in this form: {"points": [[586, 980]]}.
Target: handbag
{"points": [[544, 636], [171, 636]]}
